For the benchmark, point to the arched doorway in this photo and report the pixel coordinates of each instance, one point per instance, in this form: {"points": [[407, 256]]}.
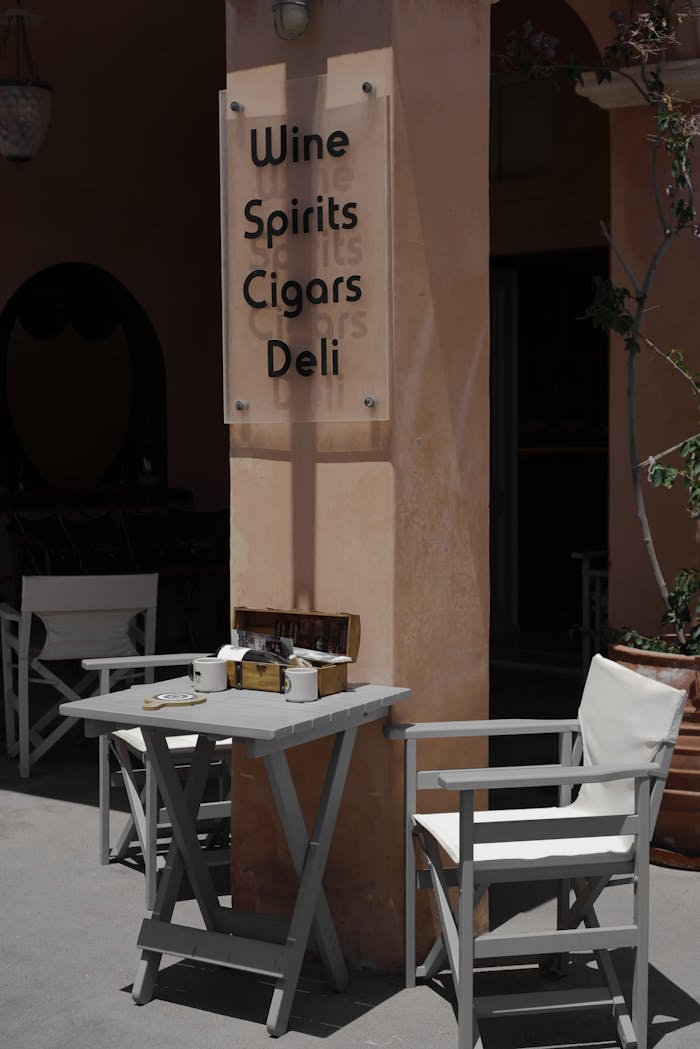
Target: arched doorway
{"points": [[82, 384], [549, 379]]}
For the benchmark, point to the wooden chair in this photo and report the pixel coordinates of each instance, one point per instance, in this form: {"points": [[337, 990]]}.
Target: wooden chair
{"points": [[146, 814], [62, 619], [625, 733]]}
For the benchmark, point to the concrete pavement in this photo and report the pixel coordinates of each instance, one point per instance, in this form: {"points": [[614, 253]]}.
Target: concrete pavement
{"points": [[68, 933]]}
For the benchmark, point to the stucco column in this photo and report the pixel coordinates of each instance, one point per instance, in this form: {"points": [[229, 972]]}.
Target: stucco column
{"points": [[388, 519]]}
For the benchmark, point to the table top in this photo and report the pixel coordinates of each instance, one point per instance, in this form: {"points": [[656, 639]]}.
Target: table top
{"points": [[243, 714]]}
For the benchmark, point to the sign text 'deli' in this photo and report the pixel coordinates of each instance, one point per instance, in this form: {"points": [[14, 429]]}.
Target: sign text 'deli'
{"points": [[305, 228]]}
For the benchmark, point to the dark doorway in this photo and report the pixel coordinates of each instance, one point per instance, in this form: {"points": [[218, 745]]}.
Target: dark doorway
{"points": [[549, 386], [82, 384]]}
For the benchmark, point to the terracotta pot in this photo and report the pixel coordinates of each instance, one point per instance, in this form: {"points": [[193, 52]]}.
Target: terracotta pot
{"points": [[676, 841]]}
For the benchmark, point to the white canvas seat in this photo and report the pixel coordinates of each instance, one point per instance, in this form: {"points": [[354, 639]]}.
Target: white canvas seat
{"points": [[146, 815], [444, 827], [133, 737], [624, 737], [62, 619]]}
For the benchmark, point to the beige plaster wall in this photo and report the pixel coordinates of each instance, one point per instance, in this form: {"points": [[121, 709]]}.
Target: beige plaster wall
{"points": [[562, 208], [128, 180], [666, 413], [389, 520], [595, 14]]}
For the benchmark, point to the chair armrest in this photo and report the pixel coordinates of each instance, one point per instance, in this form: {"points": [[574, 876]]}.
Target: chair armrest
{"points": [[542, 776], [169, 659], [497, 727], [8, 612]]}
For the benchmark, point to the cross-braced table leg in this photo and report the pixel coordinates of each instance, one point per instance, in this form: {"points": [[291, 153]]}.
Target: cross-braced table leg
{"points": [[309, 857], [184, 850]]}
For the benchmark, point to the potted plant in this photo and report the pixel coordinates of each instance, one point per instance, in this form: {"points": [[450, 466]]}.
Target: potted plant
{"points": [[639, 52]]}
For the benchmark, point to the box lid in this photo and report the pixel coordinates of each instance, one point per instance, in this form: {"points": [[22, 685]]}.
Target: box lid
{"points": [[335, 632]]}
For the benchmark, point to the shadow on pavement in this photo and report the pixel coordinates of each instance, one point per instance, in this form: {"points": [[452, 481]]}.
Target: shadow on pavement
{"points": [[317, 1011]]}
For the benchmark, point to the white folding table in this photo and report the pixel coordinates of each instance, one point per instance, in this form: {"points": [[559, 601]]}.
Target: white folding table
{"points": [[267, 725]]}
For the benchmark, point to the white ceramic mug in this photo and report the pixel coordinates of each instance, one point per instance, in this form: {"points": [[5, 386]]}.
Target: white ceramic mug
{"points": [[208, 674], [301, 684]]}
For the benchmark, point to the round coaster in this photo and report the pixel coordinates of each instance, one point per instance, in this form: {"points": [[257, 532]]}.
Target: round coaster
{"points": [[173, 699]]}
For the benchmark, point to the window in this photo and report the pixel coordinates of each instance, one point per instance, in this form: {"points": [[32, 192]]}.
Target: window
{"points": [[521, 127]]}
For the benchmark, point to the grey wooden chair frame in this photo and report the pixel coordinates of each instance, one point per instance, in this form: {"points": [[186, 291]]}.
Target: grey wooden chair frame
{"points": [[146, 815], [23, 666], [458, 947]]}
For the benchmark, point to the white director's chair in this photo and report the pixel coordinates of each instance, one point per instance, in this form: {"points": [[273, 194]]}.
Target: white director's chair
{"points": [[62, 619], [128, 748], [619, 751]]}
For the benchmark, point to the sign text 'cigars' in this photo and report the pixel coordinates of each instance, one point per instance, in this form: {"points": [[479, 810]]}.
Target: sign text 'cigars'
{"points": [[306, 236]]}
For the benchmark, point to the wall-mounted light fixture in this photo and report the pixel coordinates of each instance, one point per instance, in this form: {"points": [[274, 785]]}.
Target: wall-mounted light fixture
{"points": [[25, 101], [291, 17]]}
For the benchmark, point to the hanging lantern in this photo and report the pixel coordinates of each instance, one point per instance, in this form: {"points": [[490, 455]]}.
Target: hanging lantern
{"points": [[25, 101], [291, 18]]}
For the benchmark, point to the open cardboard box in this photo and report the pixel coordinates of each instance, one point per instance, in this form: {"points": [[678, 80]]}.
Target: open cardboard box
{"points": [[337, 632]]}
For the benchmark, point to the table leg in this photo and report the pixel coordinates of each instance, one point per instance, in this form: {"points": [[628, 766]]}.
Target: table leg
{"points": [[183, 819], [308, 904], [294, 827], [150, 856], [104, 786], [182, 808]]}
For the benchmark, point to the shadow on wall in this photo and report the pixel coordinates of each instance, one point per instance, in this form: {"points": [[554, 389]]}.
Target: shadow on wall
{"points": [[82, 384], [83, 455]]}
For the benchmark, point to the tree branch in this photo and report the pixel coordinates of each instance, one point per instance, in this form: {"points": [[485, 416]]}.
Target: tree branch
{"points": [[620, 257], [662, 455]]}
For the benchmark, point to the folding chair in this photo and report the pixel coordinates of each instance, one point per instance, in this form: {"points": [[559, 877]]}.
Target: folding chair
{"points": [[625, 733], [103, 615], [146, 815]]}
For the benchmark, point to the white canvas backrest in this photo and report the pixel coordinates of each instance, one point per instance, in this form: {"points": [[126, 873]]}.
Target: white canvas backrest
{"points": [[625, 718], [88, 616]]}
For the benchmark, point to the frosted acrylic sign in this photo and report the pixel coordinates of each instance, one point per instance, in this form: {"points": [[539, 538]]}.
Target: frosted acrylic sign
{"points": [[305, 248]]}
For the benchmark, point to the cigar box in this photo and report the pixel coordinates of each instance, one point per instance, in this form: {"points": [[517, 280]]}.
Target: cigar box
{"points": [[335, 632]]}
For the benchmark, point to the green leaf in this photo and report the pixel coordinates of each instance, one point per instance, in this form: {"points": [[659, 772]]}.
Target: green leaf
{"points": [[677, 356], [691, 446], [649, 644], [662, 476]]}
